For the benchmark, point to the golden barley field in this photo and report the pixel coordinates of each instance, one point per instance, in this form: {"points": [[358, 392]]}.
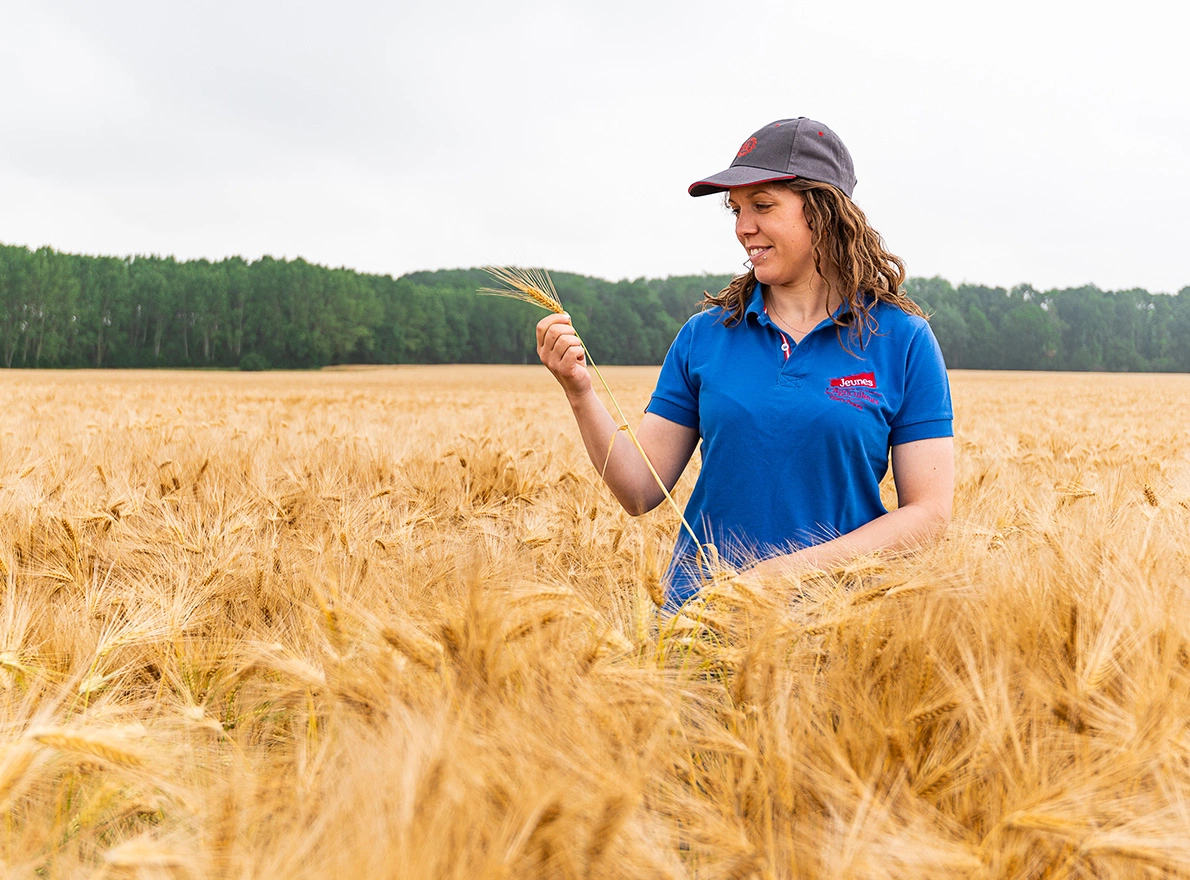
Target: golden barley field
{"points": [[387, 624]]}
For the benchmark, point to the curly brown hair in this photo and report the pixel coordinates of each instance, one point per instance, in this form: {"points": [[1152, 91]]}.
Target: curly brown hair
{"points": [[844, 246]]}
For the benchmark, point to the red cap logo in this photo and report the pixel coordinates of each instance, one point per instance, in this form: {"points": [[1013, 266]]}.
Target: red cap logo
{"points": [[748, 146]]}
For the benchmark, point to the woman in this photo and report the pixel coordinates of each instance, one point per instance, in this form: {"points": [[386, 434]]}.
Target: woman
{"points": [[799, 378]]}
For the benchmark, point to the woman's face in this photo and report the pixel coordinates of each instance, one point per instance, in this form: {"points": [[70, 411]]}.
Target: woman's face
{"points": [[771, 226]]}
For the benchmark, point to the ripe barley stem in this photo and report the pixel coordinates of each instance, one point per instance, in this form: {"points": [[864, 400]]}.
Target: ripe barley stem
{"points": [[535, 286]]}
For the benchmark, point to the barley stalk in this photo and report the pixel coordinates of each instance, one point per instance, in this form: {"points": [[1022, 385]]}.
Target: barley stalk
{"points": [[14, 764], [418, 648], [143, 852], [1047, 822], [101, 745], [535, 286], [931, 712], [616, 810]]}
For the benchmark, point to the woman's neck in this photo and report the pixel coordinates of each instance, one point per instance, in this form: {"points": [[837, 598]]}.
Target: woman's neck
{"points": [[802, 304]]}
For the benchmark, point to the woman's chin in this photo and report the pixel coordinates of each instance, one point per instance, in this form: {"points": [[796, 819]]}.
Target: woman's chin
{"points": [[765, 275]]}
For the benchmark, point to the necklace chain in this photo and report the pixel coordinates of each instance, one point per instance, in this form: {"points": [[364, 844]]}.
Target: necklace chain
{"points": [[784, 320]]}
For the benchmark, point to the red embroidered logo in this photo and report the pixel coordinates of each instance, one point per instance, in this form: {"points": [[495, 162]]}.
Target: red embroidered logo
{"points": [[858, 390], [857, 380], [748, 146]]}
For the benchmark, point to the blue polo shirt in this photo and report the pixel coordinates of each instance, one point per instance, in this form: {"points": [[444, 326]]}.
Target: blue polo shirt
{"points": [[795, 437]]}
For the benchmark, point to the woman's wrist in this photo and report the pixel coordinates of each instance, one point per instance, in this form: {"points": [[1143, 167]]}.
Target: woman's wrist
{"points": [[580, 397]]}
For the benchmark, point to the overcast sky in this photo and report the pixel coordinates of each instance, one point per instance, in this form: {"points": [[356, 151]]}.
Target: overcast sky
{"points": [[996, 143]]}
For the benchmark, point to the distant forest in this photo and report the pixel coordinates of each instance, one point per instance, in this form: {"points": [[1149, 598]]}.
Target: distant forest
{"points": [[65, 310]]}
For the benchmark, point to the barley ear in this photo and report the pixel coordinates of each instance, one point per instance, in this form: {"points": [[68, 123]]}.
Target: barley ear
{"points": [[531, 285], [99, 745]]}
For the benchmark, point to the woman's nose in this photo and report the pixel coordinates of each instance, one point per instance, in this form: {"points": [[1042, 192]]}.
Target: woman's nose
{"points": [[744, 223]]}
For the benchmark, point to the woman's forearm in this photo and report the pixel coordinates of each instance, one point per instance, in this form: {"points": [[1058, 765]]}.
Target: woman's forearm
{"points": [[622, 466], [614, 456], [905, 528]]}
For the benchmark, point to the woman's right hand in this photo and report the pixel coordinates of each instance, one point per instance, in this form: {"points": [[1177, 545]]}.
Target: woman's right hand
{"points": [[560, 350]]}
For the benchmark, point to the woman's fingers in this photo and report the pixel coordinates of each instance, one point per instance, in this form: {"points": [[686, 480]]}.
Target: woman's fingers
{"points": [[560, 350], [557, 343], [561, 321], [567, 348]]}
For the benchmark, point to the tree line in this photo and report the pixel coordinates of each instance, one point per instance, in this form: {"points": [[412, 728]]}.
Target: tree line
{"points": [[68, 310]]}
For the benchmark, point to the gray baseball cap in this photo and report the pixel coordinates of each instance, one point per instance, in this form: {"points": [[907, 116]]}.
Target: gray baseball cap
{"points": [[783, 150]]}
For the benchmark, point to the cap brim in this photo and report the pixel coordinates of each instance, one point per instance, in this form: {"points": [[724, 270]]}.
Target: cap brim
{"points": [[736, 175]]}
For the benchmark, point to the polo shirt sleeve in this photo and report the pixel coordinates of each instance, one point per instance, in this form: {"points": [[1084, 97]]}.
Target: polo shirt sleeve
{"points": [[926, 410], [676, 395]]}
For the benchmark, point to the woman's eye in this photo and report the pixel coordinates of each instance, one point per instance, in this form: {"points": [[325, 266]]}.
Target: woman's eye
{"points": [[763, 206]]}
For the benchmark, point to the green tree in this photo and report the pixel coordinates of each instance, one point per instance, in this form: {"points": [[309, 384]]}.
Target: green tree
{"points": [[14, 285], [239, 293], [150, 292], [102, 305], [208, 305], [1028, 338], [950, 328]]}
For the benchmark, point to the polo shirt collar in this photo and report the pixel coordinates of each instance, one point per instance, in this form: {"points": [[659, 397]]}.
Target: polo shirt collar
{"points": [[755, 307]]}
